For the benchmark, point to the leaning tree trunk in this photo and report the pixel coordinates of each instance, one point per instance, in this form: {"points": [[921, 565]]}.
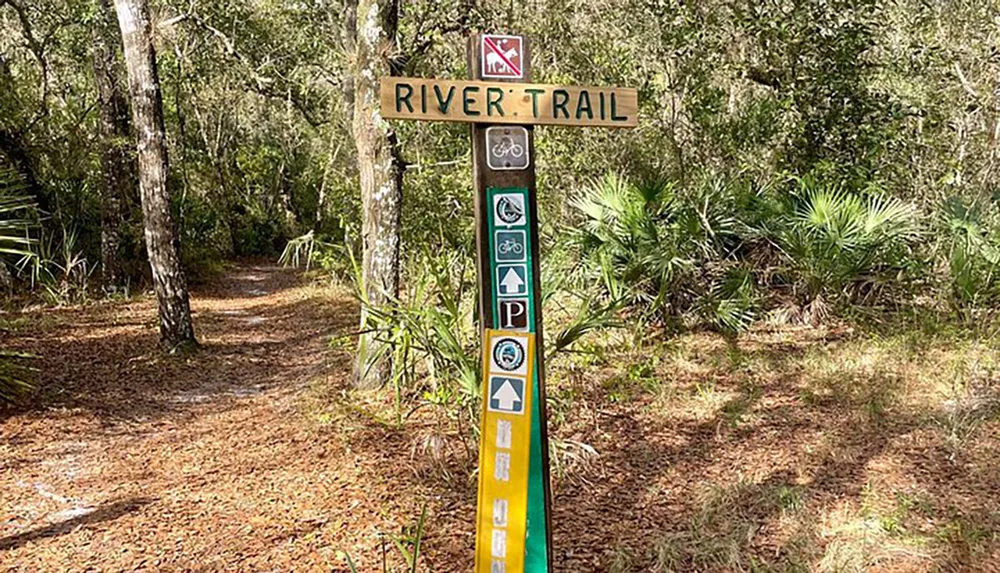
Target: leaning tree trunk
{"points": [[380, 173], [162, 244], [117, 161]]}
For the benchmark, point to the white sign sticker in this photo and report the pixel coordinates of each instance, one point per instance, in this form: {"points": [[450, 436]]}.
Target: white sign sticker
{"points": [[507, 148], [505, 434], [512, 280], [511, 246], [500, 513], [506, 395], [513, 313]]}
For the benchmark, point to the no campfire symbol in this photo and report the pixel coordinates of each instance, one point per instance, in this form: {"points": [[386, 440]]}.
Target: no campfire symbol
{"points": [[502, 56]]}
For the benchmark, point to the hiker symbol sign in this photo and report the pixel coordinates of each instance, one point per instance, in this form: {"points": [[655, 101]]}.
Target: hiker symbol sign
{"points": [[502, 56]]}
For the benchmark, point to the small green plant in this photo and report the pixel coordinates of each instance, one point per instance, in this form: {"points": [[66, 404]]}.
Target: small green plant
{"points": [[589, 318], [972, 246], [408, 545], [643, 373], [337, 259], [731, 303], [61, 270], [429, 330], [302, 251]]}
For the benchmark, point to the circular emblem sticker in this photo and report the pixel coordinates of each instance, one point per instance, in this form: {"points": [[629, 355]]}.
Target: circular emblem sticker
{"points": [[508, 354], [509, 210]]}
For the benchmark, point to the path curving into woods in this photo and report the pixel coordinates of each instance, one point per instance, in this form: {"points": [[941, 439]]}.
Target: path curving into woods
{"points": [[140, 461]]}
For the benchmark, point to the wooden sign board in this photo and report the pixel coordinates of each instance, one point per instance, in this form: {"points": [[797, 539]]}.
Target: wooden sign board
{"points": [[508, 103]]}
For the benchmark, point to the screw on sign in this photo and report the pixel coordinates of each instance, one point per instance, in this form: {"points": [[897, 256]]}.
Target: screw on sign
{"points": [[512, 280], [509, 210], [502, 56], [511, 246], [513, 314]]}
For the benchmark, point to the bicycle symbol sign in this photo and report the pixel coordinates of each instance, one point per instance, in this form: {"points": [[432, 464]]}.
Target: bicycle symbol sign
{"points": [[511, 246], [507, 148]]}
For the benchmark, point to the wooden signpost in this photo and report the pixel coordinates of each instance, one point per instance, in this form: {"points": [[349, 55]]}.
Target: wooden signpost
{"points": [[513, 532]]}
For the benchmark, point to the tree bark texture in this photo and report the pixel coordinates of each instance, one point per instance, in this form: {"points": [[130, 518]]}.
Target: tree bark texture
{"points": [[117, 160], [162, 243], [380, 173]]}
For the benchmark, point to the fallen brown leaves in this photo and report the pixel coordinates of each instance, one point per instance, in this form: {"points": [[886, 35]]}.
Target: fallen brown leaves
{"points": [[244, 456]]}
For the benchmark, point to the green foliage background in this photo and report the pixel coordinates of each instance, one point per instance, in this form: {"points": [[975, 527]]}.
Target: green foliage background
{"points": [[804, 150]]}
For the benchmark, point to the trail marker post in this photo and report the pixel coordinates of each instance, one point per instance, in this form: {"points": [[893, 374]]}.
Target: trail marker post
{"points": [[513, 532]]}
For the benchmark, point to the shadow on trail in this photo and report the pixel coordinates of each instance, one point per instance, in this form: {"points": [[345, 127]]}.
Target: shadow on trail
{"points": [[103, 513], [109, 362], [690, 495]]}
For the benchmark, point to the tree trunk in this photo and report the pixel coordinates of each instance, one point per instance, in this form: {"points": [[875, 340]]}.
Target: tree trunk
{"points": [[117, 161], [162, 243], [381, 175]]}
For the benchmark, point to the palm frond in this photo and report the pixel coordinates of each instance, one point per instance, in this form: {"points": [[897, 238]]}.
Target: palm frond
{"points": [[837, 238], [17, 220]]}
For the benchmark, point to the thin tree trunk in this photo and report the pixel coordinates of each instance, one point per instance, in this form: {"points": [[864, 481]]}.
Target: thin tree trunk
{"points": [[381, 175], [162, 243], [117, 161]]}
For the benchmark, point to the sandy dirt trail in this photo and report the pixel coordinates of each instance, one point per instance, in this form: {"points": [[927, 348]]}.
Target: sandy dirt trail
{"points": [[141, 461]]}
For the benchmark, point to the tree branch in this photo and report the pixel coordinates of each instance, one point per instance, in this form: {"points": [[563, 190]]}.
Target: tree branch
{"points": [[261, 84], [424, 40], [37, 49]]}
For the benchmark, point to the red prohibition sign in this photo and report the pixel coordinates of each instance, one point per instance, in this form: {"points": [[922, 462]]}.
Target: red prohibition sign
{"points": [[502, 56]]}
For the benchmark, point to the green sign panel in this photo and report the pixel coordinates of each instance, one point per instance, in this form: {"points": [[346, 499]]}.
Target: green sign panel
{"points": [[513, 284]]}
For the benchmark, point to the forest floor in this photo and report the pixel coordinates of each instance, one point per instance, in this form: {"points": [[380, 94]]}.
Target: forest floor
{"points": [[790, 449]]}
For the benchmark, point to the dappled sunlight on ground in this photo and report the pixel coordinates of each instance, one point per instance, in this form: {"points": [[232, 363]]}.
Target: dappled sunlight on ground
{"points": [[818, 450], [787, 450]]}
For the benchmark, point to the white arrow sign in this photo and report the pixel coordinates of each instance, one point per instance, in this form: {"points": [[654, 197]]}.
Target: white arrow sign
{"points": [[506, 397], [511, 283]]}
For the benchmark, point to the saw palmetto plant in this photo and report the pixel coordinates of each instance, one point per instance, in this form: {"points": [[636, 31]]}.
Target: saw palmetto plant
{"points": [[841, 243], [664, 254], [972, 250], [17, 219]]}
